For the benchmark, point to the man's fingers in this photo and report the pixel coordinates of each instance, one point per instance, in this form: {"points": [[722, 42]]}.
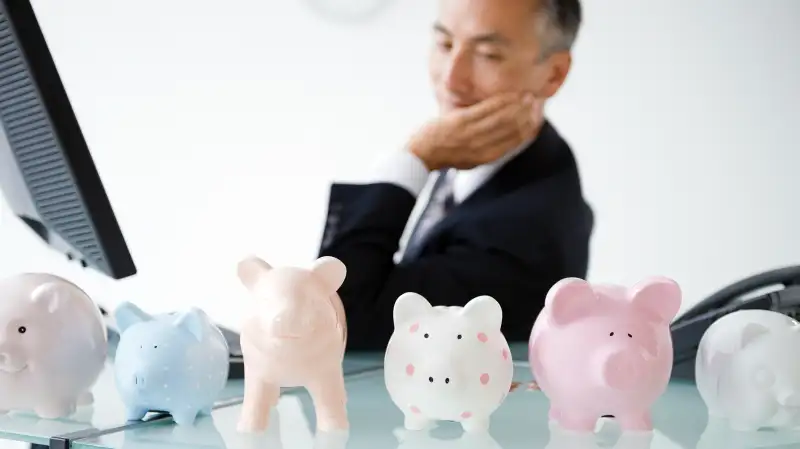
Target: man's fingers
{"points": [[493, 149], [489, 137], [489, 106], [505, 117]]}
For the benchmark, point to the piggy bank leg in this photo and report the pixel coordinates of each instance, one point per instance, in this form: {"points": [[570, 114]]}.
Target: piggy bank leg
{"points": [[635, 422], [476, 424], [135, 412], [577, 422], [554, 416], [184, 417], [259, 398], [85, 399], [413, 421], [207, 411], [330, 401], [56, 408]]}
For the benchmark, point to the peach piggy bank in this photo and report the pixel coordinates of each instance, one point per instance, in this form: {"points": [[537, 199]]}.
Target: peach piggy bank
{"points": [[295, 336], [600, 350], [53, 345]]}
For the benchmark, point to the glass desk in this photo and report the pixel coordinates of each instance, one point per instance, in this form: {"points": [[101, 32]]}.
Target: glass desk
{"points": [[521, 422], [680, 419], [107, 414]]}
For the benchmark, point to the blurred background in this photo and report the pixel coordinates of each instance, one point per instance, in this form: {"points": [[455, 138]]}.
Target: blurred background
{"points": [[217, 131]]}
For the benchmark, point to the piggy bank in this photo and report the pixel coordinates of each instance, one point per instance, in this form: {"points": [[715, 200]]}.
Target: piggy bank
{"points": [[53, 345], [294, 336], [447, 363], [747, 370], [599, 350], [175, 363]]}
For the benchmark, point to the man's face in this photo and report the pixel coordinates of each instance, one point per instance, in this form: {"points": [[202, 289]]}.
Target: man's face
{"points": [[487, 47]]}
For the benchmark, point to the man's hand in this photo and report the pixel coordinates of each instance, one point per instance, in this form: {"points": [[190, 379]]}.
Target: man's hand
{"points": [[466, 138]]}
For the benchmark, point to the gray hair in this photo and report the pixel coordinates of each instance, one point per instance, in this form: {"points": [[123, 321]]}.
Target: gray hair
{"points": [[559, 21]]}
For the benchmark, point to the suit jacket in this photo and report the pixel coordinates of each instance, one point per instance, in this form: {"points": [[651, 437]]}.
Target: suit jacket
{"points": [[523, 230]]}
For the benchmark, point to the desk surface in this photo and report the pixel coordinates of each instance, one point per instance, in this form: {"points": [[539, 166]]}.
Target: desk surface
{"points": [[679, 416]]}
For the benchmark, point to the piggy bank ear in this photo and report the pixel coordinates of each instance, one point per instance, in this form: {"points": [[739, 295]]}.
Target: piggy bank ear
{"points": [[50, 295], [250, 270], [752, 332], [331, 270], [409, 306], [660, 297], [127, 314], [569, 300], [193, 321], [484, 310]]}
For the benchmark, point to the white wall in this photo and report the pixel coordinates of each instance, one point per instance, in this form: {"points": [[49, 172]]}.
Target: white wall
{"points": [[217, 130]]}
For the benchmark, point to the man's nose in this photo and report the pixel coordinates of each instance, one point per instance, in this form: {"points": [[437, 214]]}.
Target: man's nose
{"points": [[458, 74]]}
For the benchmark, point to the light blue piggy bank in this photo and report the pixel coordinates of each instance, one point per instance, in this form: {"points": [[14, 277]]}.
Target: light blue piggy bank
{"points": [[175, 363]]}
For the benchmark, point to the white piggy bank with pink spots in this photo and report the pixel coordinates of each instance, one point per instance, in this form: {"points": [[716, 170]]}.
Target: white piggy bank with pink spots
{"points": [[447, 363]]}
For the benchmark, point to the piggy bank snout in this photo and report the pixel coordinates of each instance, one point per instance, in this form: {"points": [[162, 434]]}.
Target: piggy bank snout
{"points": [[292, 322], [624, 369], [138, 380], [11, 360], [444, 373]]}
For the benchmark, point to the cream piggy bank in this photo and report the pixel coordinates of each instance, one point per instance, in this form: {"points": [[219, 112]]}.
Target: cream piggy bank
{"points": [[747, 370], [447, 363], [53, 345], [295, 336]]}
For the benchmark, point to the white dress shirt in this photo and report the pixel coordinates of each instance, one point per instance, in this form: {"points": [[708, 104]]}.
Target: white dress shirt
{"points": [[407, 171]]}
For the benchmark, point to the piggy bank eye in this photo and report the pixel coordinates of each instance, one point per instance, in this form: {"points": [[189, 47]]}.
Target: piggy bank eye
{"points": [[630, 336], [459, 336], [426, 335], [22, 329]]}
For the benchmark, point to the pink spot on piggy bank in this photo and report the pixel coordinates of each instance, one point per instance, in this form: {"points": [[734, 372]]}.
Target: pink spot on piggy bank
{"points": [[294, 336], [462, 369], [600, 350]]}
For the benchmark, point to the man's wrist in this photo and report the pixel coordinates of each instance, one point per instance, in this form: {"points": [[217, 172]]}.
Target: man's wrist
{"points": [[404, 169]]}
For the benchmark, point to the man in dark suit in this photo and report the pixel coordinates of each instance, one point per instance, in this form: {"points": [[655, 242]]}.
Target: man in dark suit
{"points": [[504, 214]]}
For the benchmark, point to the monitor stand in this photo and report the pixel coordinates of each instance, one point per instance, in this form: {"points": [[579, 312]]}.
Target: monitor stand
{"points": [[236, 366]]}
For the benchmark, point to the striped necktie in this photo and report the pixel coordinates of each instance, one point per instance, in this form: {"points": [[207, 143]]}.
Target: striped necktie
{"points": [[441, 202]]}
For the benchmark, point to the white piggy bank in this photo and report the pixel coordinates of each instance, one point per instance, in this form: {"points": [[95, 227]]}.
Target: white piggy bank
{"points": [[747, 370], [52, 345], [447, 363]]}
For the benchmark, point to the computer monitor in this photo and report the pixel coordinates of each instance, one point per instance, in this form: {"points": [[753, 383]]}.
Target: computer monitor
{"points": [[47, 174]]}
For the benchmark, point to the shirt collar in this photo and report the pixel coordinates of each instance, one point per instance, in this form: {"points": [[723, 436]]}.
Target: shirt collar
{"points": [[465, 182]]}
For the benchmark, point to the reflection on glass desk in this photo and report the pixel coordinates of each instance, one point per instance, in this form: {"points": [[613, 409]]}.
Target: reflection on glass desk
{"points": [[521, 422], [107, 414]]}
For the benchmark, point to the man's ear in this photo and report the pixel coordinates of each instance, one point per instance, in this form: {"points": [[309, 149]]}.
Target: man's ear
{"points": [[554, 73]]}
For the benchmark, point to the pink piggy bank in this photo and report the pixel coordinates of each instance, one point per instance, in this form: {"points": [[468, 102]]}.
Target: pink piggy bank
{"points": [[599, 350], [447, 363], [295, 336]]}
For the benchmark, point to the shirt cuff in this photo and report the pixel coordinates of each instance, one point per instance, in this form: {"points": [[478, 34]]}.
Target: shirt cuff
{"points": [[402, 169]]}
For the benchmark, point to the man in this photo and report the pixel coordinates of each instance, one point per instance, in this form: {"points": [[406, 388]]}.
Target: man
{"points": [[505, 216]]}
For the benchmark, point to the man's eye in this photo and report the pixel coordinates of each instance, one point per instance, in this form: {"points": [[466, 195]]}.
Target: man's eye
{"points": [[447, 46], [491, 56]]}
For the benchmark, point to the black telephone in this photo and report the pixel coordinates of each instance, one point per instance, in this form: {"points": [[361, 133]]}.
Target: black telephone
{"points": [[783, 296]]}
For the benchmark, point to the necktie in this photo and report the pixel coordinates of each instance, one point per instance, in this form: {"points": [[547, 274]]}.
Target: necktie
{"points": [[440, 203]]}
